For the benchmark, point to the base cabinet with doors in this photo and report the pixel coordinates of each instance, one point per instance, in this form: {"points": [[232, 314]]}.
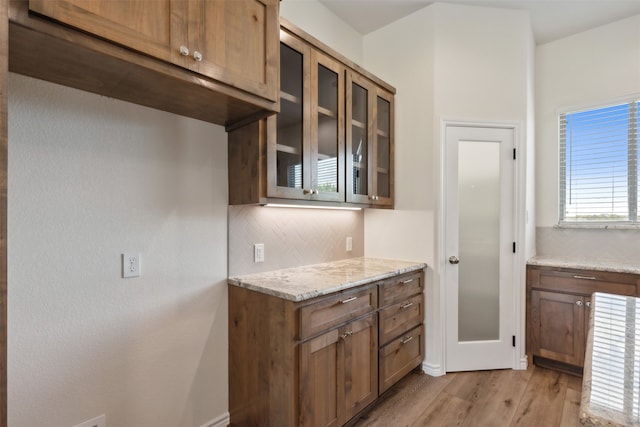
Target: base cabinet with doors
{"points": [[322, 361], [332, 141], [558, 310], [213, 60]]}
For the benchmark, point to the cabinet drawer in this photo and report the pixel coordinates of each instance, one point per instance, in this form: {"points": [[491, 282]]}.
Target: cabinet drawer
{"points": [[401, 287], [400, 317], [583, 282], [336, 310], [400, 356]]}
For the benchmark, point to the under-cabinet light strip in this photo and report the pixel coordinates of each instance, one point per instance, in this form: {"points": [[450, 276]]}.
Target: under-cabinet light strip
{"points": [[341, 208]]}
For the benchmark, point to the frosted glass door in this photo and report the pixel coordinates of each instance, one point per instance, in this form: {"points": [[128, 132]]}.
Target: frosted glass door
{"points": [[478, 240]]}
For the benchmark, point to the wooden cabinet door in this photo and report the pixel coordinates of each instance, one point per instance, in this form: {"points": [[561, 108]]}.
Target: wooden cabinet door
{"points": [[558, 326], [369, 142], [289, 132], [236, 43], [153, 27], [327, 128], [339, 373], [320, 379], [360, 382]]}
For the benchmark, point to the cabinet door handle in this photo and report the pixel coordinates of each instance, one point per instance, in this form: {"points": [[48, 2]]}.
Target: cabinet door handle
{"points": [[305, 191], [344, 301], [197, 56], [407, 305], [184, 51], [406, 340], [585, 277], [404, 282], [579, 303], [346, 335], [588, 304]]}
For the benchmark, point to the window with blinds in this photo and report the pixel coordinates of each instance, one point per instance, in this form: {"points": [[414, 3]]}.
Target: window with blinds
{"points": [[599, 165]]}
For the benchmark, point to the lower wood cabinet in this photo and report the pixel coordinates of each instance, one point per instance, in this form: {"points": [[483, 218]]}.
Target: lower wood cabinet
{"points": [[322, 361], [558, 310], [338, 373]]}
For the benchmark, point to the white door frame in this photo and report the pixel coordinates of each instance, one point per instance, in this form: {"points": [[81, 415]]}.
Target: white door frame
{"points": [[518, 274]]}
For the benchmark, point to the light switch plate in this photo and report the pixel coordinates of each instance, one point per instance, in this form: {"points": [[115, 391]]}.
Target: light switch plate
{"points": [[258, 252]]}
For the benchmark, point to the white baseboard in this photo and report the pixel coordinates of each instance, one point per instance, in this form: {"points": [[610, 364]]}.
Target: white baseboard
{"points": [[222, 421], [433, 370], [524, 363]]}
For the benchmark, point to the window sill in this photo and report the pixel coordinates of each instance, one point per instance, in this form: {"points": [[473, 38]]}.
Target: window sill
{"points": [[601, 226]]}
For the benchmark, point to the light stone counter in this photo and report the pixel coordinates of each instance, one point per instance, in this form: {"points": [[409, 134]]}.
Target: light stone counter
{"points": [[611, 379], [301, 283], [585, 264]]}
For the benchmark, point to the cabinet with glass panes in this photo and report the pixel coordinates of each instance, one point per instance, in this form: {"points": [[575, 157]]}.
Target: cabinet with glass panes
{"points": [[369, 142], [302, 153]]}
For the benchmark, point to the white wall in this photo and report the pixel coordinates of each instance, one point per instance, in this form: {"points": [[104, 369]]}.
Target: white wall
{"points": [[89, 178], [458, 62], [586, 69], [314, 18]]}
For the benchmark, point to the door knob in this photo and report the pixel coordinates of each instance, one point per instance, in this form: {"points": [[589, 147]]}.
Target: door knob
{"points": [[453, 259]]}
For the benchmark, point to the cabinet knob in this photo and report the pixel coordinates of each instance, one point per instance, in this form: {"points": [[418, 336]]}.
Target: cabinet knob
{"points": [[197, 56], [184, 51], [346, 335], [588, 304], [579, 303], [305, 191]]}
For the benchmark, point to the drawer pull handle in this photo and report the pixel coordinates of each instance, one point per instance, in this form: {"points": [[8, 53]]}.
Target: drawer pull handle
{"points": [[407, 305], [406, 340], [404, 282], [588, 304], [585, 277], [579, 303], [344, 301]]}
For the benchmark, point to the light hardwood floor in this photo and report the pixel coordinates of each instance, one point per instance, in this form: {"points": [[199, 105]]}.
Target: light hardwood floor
{"points": [[537, 397]]}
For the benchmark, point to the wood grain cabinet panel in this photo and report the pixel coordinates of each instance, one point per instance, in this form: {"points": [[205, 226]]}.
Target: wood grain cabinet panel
{"points": [[400, 356], [231, 41], [558, 310], [400, 317]]}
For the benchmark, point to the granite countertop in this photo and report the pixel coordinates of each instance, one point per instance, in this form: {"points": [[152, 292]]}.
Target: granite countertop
{"points": [[611, 379], [585, 264], [301, 283]]}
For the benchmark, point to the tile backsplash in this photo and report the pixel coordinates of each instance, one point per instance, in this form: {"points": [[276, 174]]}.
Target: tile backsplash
{"points": [[620, 245], [291, 236]]}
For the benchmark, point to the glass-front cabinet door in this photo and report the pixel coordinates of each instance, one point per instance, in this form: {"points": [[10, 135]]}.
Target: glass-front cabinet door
{"points": [[306, 139], [327, 128], [369, 142], [288, 132]]}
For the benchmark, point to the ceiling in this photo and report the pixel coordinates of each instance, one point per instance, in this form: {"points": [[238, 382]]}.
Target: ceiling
{"points": [[551, 20]]}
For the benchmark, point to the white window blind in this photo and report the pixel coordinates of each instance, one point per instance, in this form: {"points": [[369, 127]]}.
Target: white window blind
{"points": [[599, 165]]}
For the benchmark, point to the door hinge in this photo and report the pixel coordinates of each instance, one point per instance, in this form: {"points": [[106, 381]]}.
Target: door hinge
{"points": [[514, 247], [513, 340], [514, 154]]}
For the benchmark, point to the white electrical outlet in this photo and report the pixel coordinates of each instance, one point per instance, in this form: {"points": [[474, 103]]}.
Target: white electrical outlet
{"points": [[131, 264], [349, 244], [94, 422], [258, 252]]}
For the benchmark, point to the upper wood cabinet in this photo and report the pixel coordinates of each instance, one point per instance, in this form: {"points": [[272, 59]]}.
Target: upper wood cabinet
{"points": [[305, 141], [311, 150], [230, 41], [227, 52], [370, 118]]}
